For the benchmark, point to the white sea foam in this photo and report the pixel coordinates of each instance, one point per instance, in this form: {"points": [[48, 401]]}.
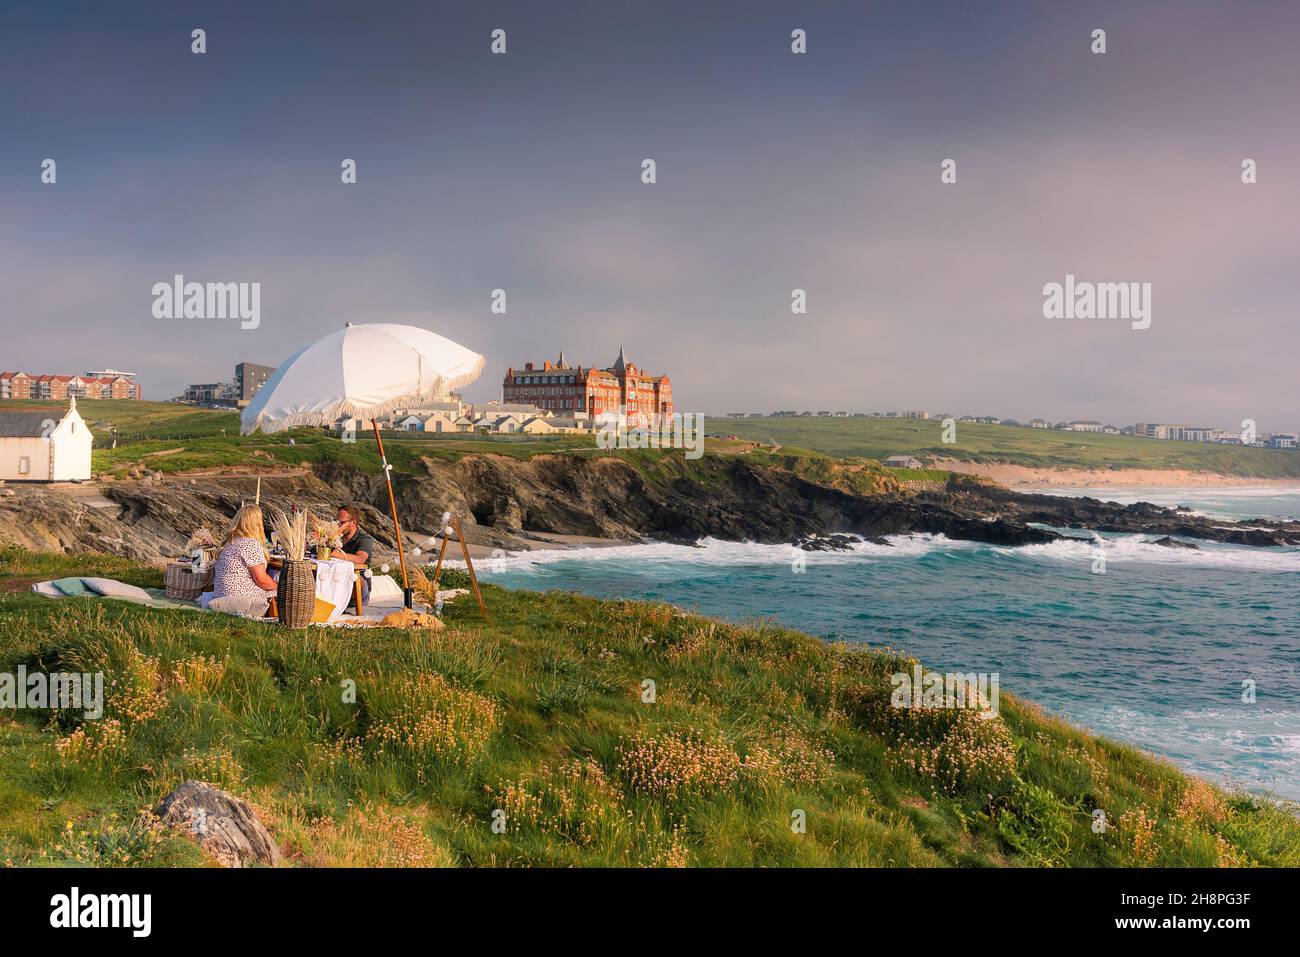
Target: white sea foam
{"points": [[1142, 548], [1232, 502], [718, 553], [712, 551]]}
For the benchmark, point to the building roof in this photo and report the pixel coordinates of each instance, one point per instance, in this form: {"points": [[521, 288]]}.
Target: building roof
{"points": [[24, 424], [620, 364]]}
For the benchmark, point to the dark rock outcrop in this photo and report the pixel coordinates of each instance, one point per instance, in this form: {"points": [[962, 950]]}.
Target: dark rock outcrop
{"points": [[499, 498], [1168, 542], [827, 543]]}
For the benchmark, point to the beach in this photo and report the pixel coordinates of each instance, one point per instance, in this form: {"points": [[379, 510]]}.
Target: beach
{"points": [[1022, 476]]}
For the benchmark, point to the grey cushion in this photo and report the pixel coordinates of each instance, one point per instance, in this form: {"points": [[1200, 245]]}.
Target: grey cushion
{"points": [[111, 588]]}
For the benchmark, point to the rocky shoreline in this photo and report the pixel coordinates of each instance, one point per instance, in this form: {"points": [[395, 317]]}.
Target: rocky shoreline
{"points": [[557, 500]]}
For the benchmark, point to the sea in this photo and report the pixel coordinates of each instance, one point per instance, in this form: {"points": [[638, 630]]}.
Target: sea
{"points": [[1193, 655]]}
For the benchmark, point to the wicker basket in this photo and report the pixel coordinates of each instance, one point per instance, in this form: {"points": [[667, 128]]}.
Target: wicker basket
{"points": [[295, 594], [181, 582]]}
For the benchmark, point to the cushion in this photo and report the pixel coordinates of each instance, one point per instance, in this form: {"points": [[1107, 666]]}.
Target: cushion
{"points": [[384, 591], [47, 589], [110, 588], [70, 586]]}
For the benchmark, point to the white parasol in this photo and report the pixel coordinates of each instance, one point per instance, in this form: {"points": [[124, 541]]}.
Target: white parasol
{"points": [[361, 371]]}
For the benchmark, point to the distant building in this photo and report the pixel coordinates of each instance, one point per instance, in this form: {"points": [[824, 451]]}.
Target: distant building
{"points": [[37, 447], [916, 415], [102, 384], [902, 462], [587, 392], [1084, 425], [537, 426], [249, 377], [236, 394], [205, 393], [1039, 424], [1283, 440]]}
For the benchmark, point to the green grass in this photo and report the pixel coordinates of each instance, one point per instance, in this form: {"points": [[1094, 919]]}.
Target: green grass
{"points": [[176, 438], [539, 713], [1038, 448], [168, 437], [134, 419]]}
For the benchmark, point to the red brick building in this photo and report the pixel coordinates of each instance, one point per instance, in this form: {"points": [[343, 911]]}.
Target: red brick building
{"points": [[579, 393], [20, 385]]}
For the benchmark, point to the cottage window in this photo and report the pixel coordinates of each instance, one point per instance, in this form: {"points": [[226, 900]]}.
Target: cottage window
{"points": [[24, 465]]}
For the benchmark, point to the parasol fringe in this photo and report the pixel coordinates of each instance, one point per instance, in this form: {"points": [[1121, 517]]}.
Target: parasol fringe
{"points": [[346, 409]]}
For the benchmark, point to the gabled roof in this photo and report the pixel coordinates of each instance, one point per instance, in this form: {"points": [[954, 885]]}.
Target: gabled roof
{"points": [[29, 425]]}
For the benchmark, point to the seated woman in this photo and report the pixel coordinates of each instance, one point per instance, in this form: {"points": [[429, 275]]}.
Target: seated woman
{"points": [[241, 585]]}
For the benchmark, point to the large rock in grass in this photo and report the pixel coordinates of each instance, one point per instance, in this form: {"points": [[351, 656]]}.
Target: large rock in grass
{"points": [[224, 825]]}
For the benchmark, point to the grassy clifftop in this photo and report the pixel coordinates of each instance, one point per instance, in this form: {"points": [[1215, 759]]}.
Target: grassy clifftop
{"points": [[537, 719], [1035, 448], [173, 438]]}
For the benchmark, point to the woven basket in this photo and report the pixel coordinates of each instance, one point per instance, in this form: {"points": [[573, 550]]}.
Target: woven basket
{"points": [[295, 594], [181, 582]]}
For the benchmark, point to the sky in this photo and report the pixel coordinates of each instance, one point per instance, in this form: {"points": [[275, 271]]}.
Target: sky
{"points": [[775, 171]]}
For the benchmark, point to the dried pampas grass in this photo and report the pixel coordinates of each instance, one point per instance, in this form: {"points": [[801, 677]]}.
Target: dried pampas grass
{"points": [[422, 589], [291, 530]]}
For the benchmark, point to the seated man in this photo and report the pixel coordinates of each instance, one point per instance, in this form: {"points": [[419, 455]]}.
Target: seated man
{"points": [[357, 546]]}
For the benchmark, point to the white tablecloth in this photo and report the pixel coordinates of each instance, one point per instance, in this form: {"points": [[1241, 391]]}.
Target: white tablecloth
{"points": [[334, 578]]}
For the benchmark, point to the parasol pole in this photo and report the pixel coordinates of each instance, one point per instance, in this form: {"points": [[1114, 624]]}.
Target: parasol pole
{"points": [[258, 499], [392, 504]]}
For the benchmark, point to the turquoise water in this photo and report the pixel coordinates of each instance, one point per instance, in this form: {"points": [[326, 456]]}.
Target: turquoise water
{"points": [[1153, 651]]}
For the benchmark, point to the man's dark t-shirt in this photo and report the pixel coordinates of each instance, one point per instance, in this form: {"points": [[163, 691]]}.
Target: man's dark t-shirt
{"points": [[360, 542]]}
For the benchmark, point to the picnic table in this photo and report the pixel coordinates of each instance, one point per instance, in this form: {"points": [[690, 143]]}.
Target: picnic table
{"points": [[275, 563]]}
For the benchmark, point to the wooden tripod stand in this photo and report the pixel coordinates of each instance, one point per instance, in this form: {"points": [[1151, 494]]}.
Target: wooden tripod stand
{"points": [[469, 565]]}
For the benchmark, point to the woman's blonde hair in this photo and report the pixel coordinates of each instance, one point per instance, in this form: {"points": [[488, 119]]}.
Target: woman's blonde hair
{"points": [[247, 524]]}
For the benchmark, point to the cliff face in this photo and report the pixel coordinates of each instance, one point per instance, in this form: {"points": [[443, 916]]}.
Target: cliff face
{"points": [[727, 497], [501, 498]]}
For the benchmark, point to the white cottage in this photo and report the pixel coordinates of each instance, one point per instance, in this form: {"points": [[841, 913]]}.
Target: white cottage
{"points": [[41, 446]]}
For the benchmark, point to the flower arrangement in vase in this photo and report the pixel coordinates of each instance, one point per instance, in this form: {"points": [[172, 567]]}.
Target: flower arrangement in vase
{"points": [[325, 537]]}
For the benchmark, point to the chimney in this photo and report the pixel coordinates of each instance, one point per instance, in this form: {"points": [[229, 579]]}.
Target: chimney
{"points": [[528, 367]]}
